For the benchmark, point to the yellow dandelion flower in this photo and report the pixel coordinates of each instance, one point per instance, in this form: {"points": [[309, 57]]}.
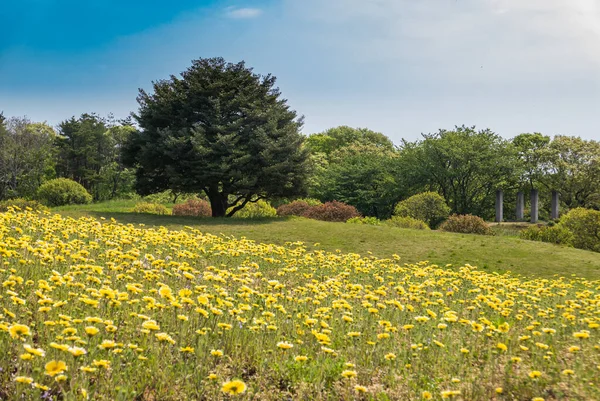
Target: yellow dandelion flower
{"points": [[284, 345], [24, 379], [54, 368], [234, 387], [360, 389], [18, 331], [34, 351], [348, 374]]}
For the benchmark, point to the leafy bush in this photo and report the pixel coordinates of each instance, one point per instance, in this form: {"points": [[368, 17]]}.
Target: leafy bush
{"points": [[585, 226], [371, 221], [332, 211], [254, 210], [429, 207], [22, 204], [150, 208], [407, 222], [295, 208], [62, 191], [467, 224], [555, 234], [193, 207]]}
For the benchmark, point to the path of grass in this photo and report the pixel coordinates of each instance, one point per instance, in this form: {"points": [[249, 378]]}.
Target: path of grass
{"points": [[494, 254]]}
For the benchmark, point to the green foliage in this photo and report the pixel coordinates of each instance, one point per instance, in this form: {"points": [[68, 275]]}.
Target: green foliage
{"points": [[168, 197], [466, 224], [371, 221], [574, 170], [62, 191], [337, 138], [310, 201], [532, 152], [556, 234], [220, 129], [26, 157], [89, 153], [193, 207], [257, 209], [362, 176], [464, 165], [23, 204], [407, 222], [332, 211], [429, 207], [150, 208], [585, 226]]}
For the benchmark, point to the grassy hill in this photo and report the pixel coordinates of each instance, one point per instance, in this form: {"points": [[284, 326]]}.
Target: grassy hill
{"points": [[498, 253]]}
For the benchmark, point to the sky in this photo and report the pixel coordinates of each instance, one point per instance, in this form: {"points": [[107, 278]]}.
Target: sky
{"points": [[401, 67]]}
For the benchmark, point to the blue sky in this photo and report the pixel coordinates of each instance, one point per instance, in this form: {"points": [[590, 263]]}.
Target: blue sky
{"points": [[401, 67]]}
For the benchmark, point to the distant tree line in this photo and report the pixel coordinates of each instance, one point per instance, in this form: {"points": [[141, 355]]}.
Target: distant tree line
{"points": [[224, 132]]}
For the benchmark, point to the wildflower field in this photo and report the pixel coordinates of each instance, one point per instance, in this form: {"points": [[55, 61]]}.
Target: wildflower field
{"points": [[93, 309]]}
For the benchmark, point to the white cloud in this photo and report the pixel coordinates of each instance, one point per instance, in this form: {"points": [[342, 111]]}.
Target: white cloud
{"points": [[242, 13]]}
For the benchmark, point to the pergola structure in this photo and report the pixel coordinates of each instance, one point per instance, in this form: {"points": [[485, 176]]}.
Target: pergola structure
{"points": [[554, 210]]}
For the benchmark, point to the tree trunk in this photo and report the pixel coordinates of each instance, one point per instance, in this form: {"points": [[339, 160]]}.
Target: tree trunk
{"points": [[218, 202]]}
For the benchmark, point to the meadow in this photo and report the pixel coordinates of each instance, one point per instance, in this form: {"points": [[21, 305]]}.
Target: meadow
{"points": [[96, 309]]}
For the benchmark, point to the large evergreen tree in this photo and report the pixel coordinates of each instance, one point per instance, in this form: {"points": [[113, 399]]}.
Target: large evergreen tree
{"points": [[219, 129]]}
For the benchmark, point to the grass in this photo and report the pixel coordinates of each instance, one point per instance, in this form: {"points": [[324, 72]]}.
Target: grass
{"points": [[500, 253]]}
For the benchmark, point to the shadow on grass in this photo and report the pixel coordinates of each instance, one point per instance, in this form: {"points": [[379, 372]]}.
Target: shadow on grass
{"points": [[157, 220]]}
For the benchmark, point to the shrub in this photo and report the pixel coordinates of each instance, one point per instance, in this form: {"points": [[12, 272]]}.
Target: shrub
{"points": [[467, 224], [555, 234], [295, 208], [62, 191], [22, 204], [332, 211], [429, 207], [371, 221], [407, 222], [585, 226], [254, 210], [193, 207], [150, 208]]}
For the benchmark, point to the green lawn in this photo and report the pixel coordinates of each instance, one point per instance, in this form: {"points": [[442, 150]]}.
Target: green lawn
{"points": [[498, 253]]}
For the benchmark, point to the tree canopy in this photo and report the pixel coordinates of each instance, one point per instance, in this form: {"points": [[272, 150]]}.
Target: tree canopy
{"points": [[464, 165], [221, 129]]}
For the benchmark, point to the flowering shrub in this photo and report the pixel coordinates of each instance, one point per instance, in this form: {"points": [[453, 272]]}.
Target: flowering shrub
{"points": [[466, 224], [332, 211], [106, 311], [150, 208], [429, 207], [407, 222], [62, 191], [193, 207], [295, 208], [371, 221]]}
